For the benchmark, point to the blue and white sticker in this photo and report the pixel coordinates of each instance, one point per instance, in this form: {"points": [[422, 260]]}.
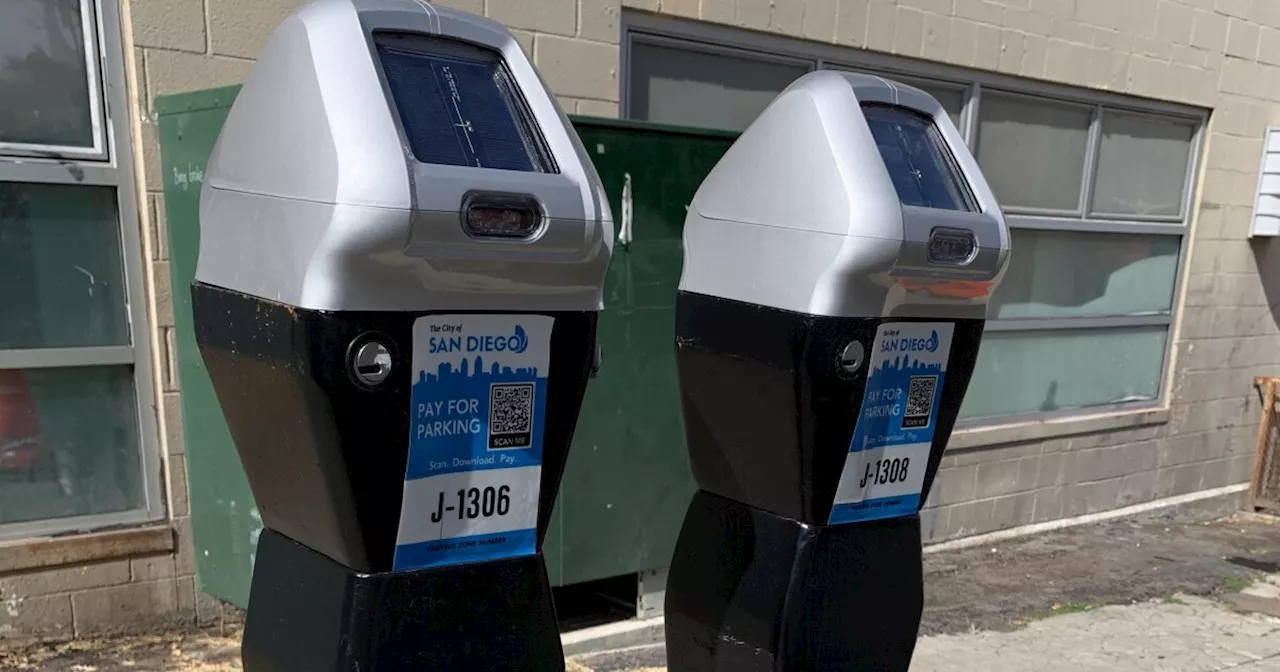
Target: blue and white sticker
{"points": [[889, 453], [475, 445]]}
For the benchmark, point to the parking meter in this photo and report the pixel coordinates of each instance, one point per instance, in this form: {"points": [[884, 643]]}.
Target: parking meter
{"points": [[838, 262], [402, 250]]}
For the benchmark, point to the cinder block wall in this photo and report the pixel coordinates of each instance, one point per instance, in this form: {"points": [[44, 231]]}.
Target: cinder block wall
{"points": [[1219, 54], [102, 597]]}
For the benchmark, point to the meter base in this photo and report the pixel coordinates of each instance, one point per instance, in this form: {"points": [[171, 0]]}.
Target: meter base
{"points": [[308, 612], [749, 591]]}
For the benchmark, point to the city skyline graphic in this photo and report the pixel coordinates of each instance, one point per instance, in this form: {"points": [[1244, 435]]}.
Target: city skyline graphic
{"points": [[904, 364], [468, 371]]}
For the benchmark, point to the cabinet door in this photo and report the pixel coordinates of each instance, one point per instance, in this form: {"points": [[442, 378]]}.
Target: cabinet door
{"points": [[627, 483]]}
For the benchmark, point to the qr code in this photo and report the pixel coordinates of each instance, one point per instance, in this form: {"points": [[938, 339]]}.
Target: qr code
{"points": [[919, 409], [510, 415]]}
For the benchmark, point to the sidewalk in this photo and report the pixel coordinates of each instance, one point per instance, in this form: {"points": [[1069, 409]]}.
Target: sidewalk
{"points": [[1177, 634], [1187, 597]]}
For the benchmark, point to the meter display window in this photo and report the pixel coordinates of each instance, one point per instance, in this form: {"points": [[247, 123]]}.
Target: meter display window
{"points": [[459, 105], [919, 163]]}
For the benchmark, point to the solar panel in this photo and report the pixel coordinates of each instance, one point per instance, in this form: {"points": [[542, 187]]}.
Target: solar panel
{"points": [[458, 109], [919, 163]]}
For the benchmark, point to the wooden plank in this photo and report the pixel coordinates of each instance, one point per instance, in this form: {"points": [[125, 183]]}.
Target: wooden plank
{"points": [[83, 548], [1266, 505], [1264, 430]]}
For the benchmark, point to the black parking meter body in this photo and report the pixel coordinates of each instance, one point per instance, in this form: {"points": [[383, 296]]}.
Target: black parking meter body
{"points": [[402, 252], [837, 265]]}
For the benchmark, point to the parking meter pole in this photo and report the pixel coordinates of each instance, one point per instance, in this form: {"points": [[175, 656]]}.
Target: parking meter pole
{"points": [[754, 590], [399, 323], [827, 326]]}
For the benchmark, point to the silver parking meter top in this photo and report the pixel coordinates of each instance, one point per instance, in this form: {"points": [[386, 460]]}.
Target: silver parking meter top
{"points": [[850, 196], [395, 155]]}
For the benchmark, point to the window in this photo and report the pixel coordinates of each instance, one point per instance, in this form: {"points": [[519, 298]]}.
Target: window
{"points": [[1082, 317], [1063, 274], [1094, 186], [720, 89], [1142, 166], [1015, 136], [48, 79], [1051, 370], [77, 439]]}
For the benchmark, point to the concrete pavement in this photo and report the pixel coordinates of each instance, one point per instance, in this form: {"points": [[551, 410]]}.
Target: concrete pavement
{"points": [[1176, 634], [1179, 634], [1164, 594]]}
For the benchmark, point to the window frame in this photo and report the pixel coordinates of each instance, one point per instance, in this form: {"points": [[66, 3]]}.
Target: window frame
{"points": [[701, 36], [110, 165]]}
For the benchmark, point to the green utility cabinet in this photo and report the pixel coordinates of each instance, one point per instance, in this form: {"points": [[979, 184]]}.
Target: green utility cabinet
{"points": [[224, 520], [627, 481]]}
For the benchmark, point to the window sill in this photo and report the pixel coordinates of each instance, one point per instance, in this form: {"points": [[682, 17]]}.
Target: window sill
{"points": [[81, 548], [1039, 430]]}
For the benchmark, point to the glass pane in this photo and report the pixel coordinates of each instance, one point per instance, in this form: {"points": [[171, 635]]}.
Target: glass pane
{"points": [[457, 109], [68, 443], [1029, 371], [1075, 274], [44, 81], [1142, 166], [1032, 151], [693, 88], [918, 162], [61, 283]]}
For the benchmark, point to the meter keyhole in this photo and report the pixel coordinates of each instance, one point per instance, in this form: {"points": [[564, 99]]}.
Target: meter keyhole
{"points": [[851, 357], [371, 365]]}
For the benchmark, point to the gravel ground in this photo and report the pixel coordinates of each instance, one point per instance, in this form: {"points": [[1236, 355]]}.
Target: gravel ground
{"points": [[1002, 586], [200, 651]]}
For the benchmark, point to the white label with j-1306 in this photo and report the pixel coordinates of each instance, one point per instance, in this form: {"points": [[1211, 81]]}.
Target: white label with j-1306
{"points": [[475, 447]]}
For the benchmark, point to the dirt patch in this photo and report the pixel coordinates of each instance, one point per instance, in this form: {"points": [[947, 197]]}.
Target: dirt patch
{"points": [[1001, 586], [200, 651]]}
